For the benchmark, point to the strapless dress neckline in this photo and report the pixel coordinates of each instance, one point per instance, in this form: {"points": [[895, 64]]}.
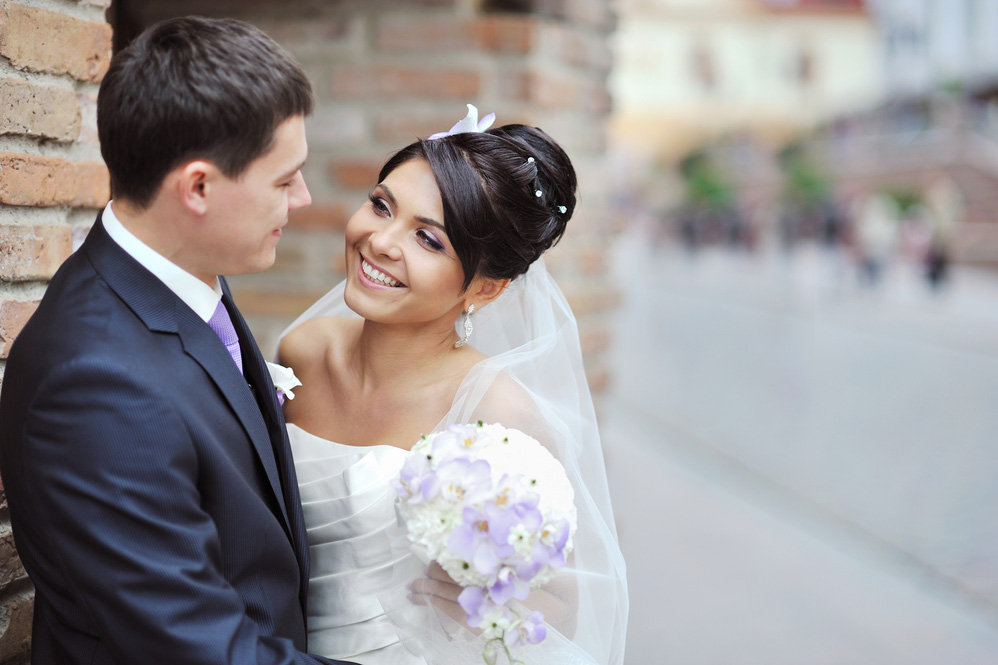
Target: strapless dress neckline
{"points": [[348, 501]]}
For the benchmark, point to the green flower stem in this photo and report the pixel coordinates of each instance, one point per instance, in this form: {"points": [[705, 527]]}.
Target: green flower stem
{"points": [[501, 641]]}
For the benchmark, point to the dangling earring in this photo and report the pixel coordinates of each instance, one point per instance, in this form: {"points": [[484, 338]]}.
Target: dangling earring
{"points": [[468, 327]]}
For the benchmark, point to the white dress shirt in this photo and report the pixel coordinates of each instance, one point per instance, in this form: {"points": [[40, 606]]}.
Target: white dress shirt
{"points": [[200, 297]]}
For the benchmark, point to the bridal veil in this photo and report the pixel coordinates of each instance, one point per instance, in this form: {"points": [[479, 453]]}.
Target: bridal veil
{"points": [[533, 380]]}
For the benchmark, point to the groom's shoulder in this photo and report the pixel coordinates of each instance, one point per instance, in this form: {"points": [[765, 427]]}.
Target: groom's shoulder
{"points": [[78, 314]]}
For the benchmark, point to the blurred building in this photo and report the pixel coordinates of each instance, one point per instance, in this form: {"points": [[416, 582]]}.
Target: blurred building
{"points": [[927, 45], [935, 127], [692, 70], [849, 99]]}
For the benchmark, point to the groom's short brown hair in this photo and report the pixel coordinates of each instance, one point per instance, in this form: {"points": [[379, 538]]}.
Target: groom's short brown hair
{"points": [[194, 88]]}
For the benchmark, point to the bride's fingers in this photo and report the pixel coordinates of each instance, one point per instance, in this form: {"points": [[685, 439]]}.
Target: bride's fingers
{"points": [[435, 572]]}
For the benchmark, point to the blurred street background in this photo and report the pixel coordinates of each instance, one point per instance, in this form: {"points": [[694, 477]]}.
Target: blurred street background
{"points": [[800, 426], [803, 468]]}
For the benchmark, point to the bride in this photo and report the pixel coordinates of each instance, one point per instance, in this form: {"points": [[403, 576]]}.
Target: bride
{"points": [[447, 315]]}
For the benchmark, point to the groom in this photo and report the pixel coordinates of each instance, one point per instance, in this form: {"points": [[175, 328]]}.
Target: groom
{"points": [[153, 498]]}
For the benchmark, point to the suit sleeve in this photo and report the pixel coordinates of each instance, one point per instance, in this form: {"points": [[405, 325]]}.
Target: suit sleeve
{"points": [[116, 513]]}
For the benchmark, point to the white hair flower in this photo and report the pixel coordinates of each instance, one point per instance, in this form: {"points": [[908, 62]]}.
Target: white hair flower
{"points": [[469, 123]]}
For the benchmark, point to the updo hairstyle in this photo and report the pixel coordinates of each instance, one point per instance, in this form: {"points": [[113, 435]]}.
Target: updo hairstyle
{"points": [[507, 195]]}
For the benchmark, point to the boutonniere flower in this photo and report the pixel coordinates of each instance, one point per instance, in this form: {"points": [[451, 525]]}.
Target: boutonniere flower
{"points": [[284, 380], [469, 123]]}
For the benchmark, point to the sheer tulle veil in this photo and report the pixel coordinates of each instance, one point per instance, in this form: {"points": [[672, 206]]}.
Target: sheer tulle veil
{"points": [[533, 380]]}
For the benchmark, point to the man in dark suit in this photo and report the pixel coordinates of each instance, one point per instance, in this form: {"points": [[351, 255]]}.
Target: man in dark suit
{"points": [[152, 495]]}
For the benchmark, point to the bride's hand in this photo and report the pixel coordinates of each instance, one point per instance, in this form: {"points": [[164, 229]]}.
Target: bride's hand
{"points": [[439, 590]]}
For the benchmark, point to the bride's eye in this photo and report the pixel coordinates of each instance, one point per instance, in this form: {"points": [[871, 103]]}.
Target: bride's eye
{"points": [[427, 239], [380, 206]]}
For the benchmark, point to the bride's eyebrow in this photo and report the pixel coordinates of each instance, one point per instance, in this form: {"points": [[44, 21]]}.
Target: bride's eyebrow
{"points": [[388, 193], [423, 220]]}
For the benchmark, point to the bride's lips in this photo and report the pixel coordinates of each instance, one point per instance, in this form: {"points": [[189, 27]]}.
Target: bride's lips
{"points": [[372, 275]]}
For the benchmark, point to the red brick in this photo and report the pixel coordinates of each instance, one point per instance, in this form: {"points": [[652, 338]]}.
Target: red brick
{"points": [[273, 303], [552, 90], [423, 34], [400, 129], [11, 569], [319, 217], [506, 34], [305, 34], [38, 110], [30, 180], [13, 315], [590, 297], [576, 47], [513, 85], [394, 82], [41, 40], [15, 625], [33, 252], [88, 130], [449, 34], [357, 173]]}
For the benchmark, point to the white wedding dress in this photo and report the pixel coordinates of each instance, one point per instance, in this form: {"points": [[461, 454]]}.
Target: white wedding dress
{"points": [[349, 506], [358, 609]]}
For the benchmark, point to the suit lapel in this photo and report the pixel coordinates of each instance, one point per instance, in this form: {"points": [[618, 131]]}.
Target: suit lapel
{"points": [[162, 311], [256, 371], [201, 344]]}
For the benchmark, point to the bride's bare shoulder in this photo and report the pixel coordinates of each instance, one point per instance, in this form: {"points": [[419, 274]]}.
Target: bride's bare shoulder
{"points": [[506, 401], [315, 338]]}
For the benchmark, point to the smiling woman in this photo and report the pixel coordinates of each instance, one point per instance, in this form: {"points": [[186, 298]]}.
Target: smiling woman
{"points": [[454, 226]]}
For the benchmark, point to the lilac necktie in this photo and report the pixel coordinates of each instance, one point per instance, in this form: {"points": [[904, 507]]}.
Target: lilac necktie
{"points": [[222, 325]]}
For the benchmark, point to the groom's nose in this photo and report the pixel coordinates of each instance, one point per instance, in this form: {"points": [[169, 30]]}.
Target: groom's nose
{"points": [[299, 196]]}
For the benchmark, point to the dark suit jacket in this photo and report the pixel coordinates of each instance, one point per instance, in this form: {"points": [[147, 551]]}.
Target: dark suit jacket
{"points": [[152, 495]]}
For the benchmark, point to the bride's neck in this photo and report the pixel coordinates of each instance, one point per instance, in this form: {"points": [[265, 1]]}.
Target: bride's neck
{"points": [[403, 354]]}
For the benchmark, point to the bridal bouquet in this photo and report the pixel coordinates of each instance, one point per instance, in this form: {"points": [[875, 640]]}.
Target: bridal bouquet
{"points": [[495, 510]]}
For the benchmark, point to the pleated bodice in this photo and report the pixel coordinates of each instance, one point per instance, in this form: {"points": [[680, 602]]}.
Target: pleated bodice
{"points": [[348, 501]]}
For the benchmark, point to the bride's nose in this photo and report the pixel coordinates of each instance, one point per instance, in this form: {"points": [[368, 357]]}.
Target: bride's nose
{"points": [[386, 241]]}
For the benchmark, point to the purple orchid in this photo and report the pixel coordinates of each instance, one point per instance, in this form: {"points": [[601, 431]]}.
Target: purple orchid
{"points": [[465, 481], [530, 630], [471, 541], [509, 584], [416, 481]]}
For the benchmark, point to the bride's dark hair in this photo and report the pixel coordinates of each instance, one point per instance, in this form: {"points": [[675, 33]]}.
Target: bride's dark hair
{"points": [[507, 194]]}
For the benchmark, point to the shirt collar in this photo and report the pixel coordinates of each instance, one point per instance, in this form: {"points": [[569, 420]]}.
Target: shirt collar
{"points": [[197, 295]]}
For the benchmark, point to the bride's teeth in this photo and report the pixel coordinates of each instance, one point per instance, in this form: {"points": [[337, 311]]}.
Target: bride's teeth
{"points": [[376, 275]]}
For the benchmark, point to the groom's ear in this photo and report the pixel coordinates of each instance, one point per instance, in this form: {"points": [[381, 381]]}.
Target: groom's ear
{"points": [[484, 290], [193, 182]]}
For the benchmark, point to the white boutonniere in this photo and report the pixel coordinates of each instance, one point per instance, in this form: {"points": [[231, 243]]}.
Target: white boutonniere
{"points": [[284, 379]]}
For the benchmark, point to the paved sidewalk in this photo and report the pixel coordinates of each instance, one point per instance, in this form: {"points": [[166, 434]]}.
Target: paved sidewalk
{"points": [[743, 548]]}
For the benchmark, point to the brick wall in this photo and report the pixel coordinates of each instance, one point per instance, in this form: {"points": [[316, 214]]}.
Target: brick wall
{"points": [[387, 72], [54, 53]]}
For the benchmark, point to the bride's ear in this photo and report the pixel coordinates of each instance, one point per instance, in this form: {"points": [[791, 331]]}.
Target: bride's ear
{"points": [[483, 291]]}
